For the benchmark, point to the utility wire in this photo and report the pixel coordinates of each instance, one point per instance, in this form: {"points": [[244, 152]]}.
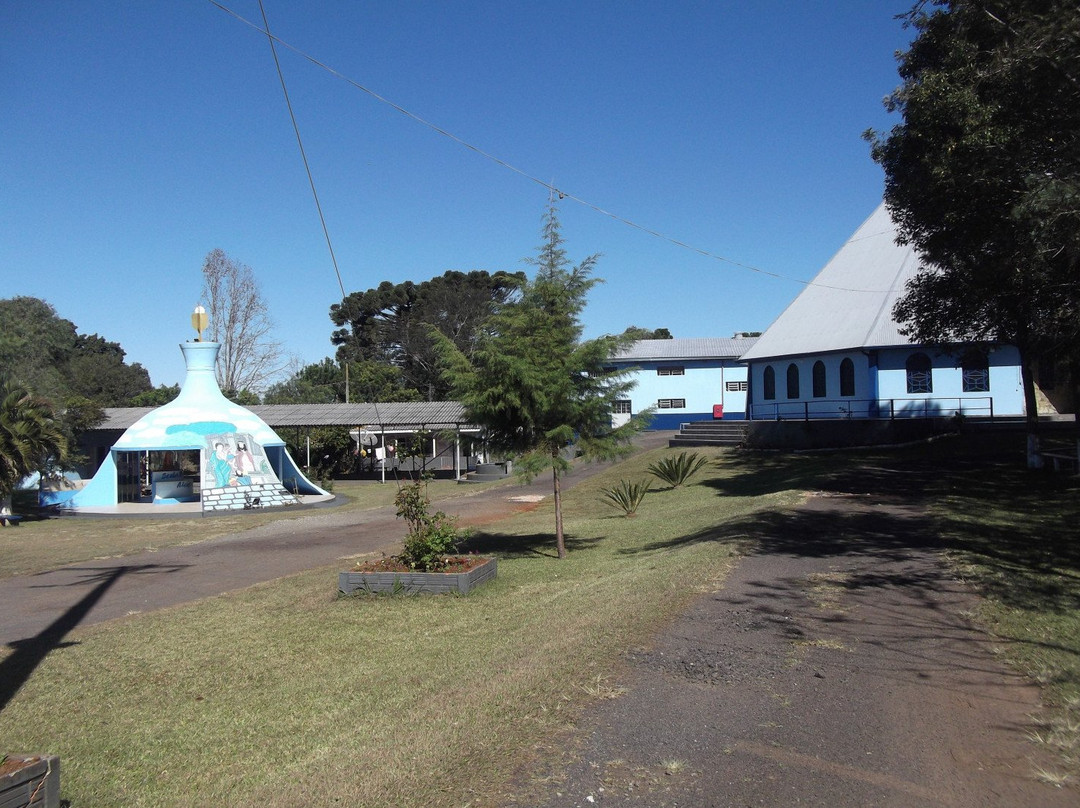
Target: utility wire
{"points": [[300, 143], [311, 180], [488, 156]]}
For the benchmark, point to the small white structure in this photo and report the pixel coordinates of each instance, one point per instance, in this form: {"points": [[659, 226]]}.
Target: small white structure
{"points": [[685, 379], [200, 447], [837, 352]]}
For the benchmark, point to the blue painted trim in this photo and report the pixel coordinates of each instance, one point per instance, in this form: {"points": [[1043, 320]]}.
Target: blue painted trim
{"points": [[674, 419]]}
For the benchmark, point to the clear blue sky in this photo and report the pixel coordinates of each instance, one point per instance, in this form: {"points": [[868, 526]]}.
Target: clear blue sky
{"points": [[138, 135]]}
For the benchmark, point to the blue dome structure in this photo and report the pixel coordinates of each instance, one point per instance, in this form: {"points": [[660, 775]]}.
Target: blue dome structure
{"points": [[242, 463]]}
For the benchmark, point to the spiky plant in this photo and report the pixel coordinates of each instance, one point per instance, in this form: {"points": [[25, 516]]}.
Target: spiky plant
{"points": [[30, 435], [626, 495], [675, 471]]}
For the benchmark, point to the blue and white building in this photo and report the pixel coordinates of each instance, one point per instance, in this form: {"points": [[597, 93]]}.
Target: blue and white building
{"points": [[685, 379], [198, 448], [837, 352]]}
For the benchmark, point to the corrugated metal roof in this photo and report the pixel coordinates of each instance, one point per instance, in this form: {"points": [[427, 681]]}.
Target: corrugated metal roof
{"points": [[849, 304], [389, 415], [695, 348]]}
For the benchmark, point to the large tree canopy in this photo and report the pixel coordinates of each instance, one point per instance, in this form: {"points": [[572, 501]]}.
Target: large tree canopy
{"points": [[983, 175], [325, 383], [389, 324], [533, 384], [634, 332], [46, 354]]}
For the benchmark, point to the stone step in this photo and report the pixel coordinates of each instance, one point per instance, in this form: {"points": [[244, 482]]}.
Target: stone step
{"points": [[710, 433]]}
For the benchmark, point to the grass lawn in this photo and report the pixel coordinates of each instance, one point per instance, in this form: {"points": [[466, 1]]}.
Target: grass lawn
{"points": [[44, 543], [284, 694]]}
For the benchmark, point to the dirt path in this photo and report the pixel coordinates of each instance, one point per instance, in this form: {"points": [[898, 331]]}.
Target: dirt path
{"points": [[835, 668]]}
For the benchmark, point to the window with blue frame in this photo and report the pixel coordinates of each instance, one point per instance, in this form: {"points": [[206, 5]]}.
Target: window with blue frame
{"points": [[847, 378], [819, 380], [920, 374]]}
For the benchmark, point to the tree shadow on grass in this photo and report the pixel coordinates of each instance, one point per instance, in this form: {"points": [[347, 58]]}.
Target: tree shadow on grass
{"points": [[505, 545], [892, 514]]}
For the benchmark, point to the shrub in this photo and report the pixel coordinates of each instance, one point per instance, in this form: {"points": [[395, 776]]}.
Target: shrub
{"points": [[626, 495], [431, 537], [675, 471]]}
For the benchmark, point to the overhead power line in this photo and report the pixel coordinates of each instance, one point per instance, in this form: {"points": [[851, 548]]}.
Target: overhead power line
{"points": [[300, 142], [550, 187]]}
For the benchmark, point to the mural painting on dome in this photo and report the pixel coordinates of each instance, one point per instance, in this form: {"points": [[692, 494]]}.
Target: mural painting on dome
{"points": [[238, 476]]}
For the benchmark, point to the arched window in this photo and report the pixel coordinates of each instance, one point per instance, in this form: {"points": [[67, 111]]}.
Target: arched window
{"points": [[975, 372], [847, 377], [792, 380], [819, 379], [919, 375], [769, 383]]}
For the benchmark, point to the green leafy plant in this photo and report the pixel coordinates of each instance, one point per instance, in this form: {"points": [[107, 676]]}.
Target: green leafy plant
{"points": [[675, 471], [432, 536], [626, 495]]}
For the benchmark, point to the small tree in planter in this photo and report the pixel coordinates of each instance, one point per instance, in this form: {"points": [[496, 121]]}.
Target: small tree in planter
{"points": [[432, 537], [426, 562]]}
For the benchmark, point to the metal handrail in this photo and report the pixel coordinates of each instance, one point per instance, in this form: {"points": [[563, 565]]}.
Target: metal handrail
{"points": [[874, 409]]}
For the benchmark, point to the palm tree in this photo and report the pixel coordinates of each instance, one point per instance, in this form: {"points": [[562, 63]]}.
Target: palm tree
{"points": [[30, 436]]}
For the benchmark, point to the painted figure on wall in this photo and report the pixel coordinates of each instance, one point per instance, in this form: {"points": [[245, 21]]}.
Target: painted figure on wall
{"points": [[235, 459], [244, 463], [221, 465]]}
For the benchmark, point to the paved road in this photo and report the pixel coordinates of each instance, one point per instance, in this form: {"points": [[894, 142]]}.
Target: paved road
{"points": [[102, 590]]}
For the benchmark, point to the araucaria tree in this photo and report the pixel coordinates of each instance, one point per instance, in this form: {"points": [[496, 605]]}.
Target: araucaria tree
{"points": [[983, 178], [240, 321], [538, 390], [390, 325]]}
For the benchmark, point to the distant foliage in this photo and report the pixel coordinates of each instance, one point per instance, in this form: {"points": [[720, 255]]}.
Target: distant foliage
{"points": [[675, 471], [626, 496], [44, 353]]}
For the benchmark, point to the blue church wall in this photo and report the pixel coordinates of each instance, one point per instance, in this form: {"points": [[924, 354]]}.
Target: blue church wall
{"points": [[690, 395], [880, 386], [1005, 383], [833, 404], [101, 490], [289, 473]]}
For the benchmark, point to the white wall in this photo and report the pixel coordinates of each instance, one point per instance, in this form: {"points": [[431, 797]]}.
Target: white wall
{"points": [[703, 385]]}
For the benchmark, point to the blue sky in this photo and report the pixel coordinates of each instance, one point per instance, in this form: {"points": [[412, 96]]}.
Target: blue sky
{"points": [[139, 135]]}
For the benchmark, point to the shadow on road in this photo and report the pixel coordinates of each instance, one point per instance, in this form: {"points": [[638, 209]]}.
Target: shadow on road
{"points": [[29, 653]]}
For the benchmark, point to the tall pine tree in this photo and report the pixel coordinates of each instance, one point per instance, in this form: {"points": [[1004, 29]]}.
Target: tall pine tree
{"points": [[540, 392]]}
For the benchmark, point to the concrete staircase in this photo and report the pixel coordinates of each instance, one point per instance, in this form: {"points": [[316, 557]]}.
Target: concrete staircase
{"points": [[711, 433]]}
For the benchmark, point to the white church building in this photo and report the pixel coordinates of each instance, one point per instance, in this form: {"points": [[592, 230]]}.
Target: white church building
{"points": [[837, 352]]}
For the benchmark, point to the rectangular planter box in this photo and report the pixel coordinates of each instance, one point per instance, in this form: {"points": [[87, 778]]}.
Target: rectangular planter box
{"points": [[34, 785], [414, 583]]}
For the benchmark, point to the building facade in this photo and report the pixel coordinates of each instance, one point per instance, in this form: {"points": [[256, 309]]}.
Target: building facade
{"points": [[685, 380], [837, 352]]}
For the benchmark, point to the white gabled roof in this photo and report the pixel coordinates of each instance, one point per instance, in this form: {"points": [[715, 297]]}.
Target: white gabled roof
{"points": [[651, 350], [849, 304]]}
